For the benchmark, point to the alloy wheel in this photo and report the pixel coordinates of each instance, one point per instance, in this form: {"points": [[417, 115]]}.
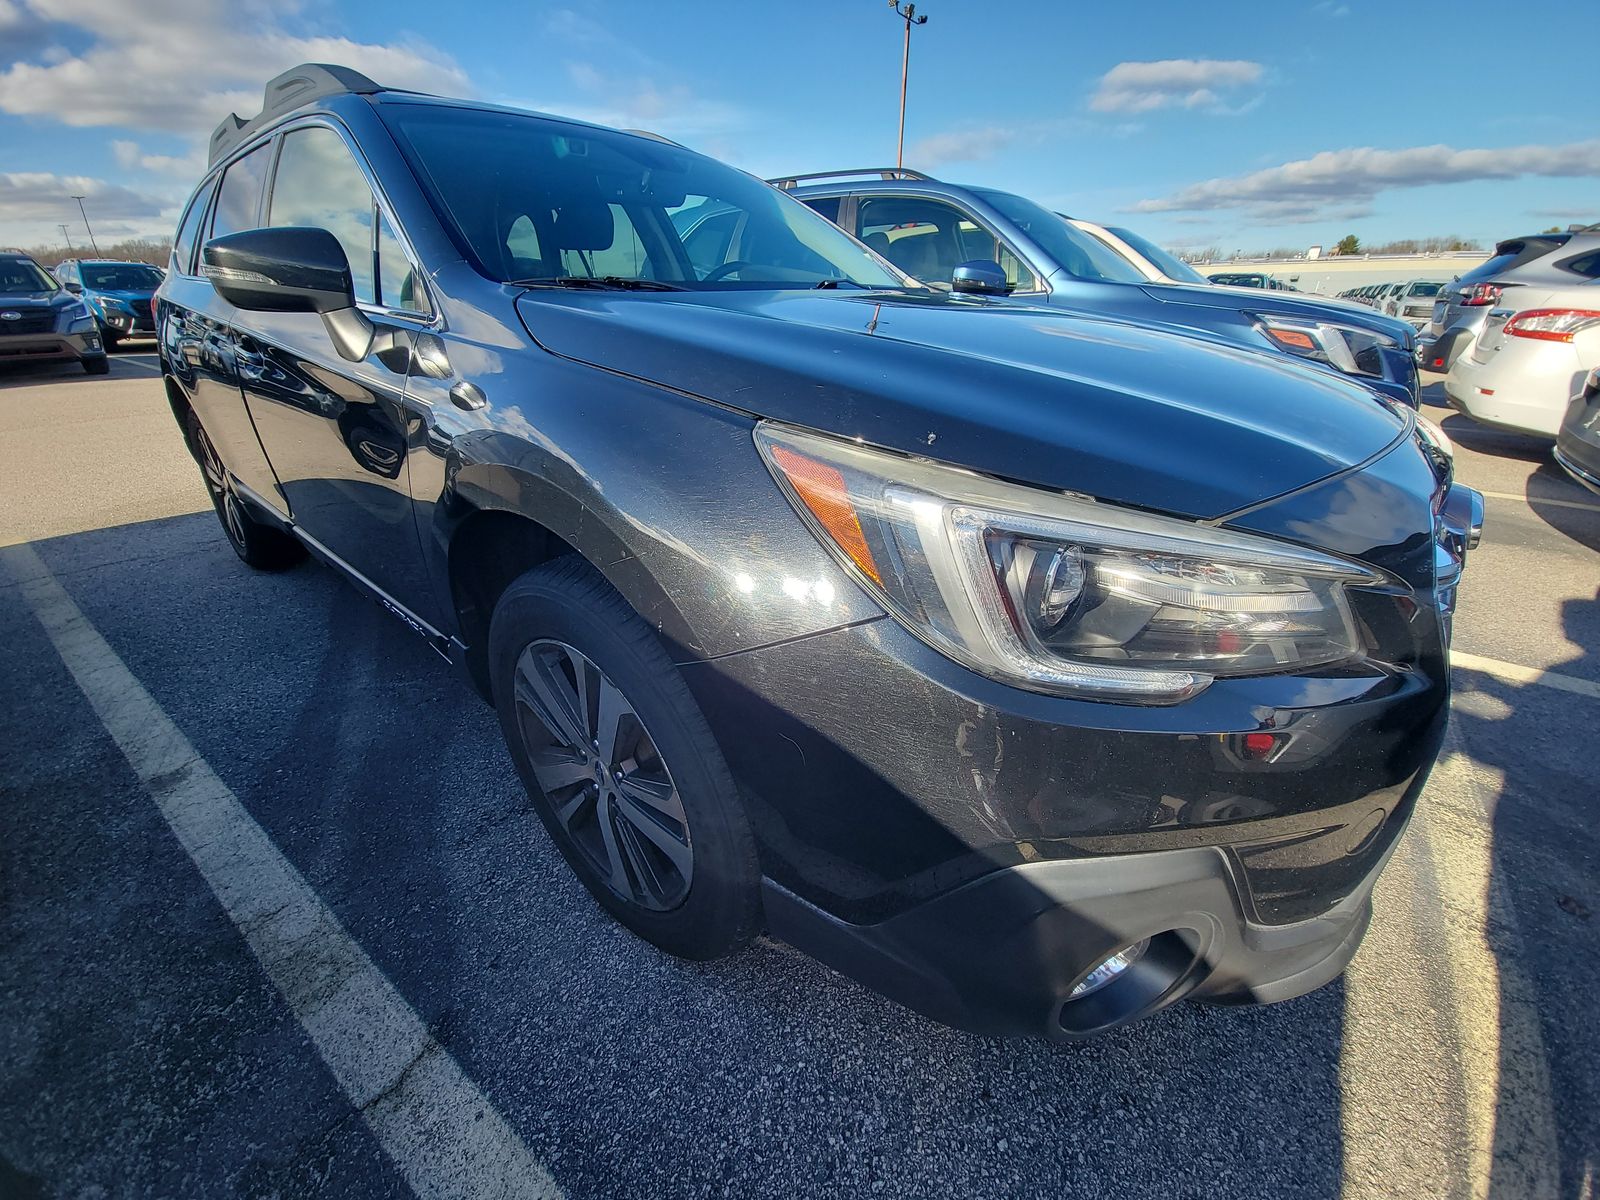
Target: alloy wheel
{"points": [[217, 484], [605, 781]]}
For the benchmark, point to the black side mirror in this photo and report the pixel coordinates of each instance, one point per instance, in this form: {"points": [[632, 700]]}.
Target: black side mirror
{"points": [[291, 269], [75, 288], [980, 276]]}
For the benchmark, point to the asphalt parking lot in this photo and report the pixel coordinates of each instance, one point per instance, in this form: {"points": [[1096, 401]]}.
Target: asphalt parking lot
{"points": [[156, 1041]]}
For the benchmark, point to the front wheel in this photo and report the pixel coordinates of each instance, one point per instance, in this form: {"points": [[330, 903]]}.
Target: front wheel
{"points": [[97, 365], [620, 763], [258, 544]]}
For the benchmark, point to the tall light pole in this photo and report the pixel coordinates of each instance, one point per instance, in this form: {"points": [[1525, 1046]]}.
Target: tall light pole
{"points": [[86, 224], [66, 235], [909, 15]]}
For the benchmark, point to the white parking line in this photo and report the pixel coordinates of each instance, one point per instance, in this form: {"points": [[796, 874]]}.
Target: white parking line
{"points": [[439, 1129], [1534, 501], [1515, 673]]}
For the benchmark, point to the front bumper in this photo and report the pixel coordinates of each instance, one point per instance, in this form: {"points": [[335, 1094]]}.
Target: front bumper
{"points": [[135, 321], [1578, 444], [44, 347], [1002, 955]]}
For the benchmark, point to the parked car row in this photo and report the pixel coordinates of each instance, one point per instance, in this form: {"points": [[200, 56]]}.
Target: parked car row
{"points": [[903, 572], [1409, 300], [1251, 279]]}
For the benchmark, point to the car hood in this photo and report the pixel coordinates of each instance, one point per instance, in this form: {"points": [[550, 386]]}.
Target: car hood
{"points": [[1284, 303], [35, 300], [1118, 411], [123, 294]]}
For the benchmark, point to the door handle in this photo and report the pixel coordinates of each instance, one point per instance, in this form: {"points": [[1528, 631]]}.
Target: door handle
{"points": [[468, 396]]}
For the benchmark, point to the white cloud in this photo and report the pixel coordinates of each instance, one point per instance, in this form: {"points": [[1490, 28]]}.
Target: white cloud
{"points": [[131, 156], [1350, 179], [960, 145], [1136, 87], [32, 203], [637, 98], [180, 66]]}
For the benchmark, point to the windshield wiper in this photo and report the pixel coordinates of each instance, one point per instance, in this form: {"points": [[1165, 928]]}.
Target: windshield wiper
{"points": [[839, 283], [608, 282]]}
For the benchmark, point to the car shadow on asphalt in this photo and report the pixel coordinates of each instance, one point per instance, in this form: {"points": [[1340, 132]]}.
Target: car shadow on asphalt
{"points": [[1530, 745], [129, 363], [384, 780]]}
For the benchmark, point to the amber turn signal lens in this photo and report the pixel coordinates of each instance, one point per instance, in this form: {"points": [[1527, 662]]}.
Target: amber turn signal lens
{"points": [[823, 490], [1292, 337]]}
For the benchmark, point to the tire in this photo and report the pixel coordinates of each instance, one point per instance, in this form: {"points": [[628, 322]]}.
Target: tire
{"points": [[109, 340], [258, 544], [700, 897], [98, 365]]}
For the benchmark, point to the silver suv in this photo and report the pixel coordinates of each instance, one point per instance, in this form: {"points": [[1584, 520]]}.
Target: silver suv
{"points": [[1547, 259]]}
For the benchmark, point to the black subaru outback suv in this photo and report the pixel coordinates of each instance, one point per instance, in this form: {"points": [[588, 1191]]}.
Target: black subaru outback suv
{"points": [[1037, 671]]}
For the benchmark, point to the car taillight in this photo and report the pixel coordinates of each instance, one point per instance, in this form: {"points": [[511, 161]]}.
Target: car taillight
{"points": [[1551, 324], [1480, 294]]}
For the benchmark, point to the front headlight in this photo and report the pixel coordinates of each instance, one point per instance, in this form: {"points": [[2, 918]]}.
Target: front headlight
{"points": [[1353, 351], [1064, 594], [78, 315]]}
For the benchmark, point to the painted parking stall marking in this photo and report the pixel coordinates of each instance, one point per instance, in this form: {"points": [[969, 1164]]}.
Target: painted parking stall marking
{"points": [[1516, 673], [443, 1134]]}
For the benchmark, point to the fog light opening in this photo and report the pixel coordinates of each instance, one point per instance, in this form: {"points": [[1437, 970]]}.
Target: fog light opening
{"points": [[1131, 982]]}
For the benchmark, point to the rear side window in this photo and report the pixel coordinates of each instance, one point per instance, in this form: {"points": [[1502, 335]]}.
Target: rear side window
{"points": [[189, 230], [1587, 265], [240, 198], [827, 206]]}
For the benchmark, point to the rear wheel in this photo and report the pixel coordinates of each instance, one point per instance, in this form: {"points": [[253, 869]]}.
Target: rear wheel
{"points": [[260, 545], [620, 764]]}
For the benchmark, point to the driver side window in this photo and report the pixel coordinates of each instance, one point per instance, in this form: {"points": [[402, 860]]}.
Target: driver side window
{"points": [[929, 239]]}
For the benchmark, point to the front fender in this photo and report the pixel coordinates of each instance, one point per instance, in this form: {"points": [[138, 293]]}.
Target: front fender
{"points": [[668, 498]]}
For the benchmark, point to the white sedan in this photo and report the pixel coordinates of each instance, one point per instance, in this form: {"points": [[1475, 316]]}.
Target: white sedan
{"points": [[1530, 360]]}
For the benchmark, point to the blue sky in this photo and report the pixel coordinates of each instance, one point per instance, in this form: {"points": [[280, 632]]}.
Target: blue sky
{"points": [[1201, 124]]}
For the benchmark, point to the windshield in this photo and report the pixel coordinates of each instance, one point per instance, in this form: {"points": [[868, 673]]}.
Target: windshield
{"points": [[535, 199], [24, 277], [1070, 248], [1168, 264], [1424, 289], [121, 277], [1255, 281]]}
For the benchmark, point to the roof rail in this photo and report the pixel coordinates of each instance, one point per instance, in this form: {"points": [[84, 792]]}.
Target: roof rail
{"points": [[788, 182], [295, 87], [654, 137]]}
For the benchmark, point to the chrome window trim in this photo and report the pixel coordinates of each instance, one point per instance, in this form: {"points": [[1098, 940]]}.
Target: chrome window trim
{"points": [[429, 320]]}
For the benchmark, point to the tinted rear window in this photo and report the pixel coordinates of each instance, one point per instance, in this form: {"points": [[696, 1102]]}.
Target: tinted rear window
{"points": [[1489, 268], [189, 231]]}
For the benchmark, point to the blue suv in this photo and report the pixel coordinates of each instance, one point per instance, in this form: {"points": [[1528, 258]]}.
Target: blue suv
{"points": [[929, 228], [118, 293]]}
